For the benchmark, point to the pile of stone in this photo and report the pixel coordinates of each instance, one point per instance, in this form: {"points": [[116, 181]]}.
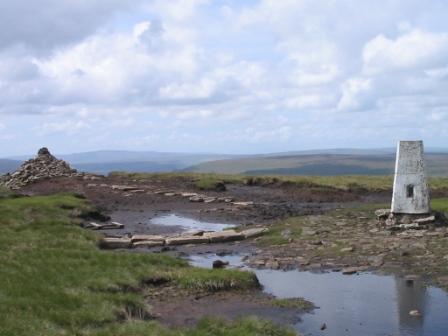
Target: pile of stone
{"points": [[199, 237], [398, 222], [43, 166]]}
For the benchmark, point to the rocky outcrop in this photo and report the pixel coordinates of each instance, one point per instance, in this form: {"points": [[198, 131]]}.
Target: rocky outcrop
{"points": [[43, 166]]}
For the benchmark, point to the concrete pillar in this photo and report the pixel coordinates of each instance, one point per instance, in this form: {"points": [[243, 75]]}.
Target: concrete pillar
{"points": [[411, 194]]}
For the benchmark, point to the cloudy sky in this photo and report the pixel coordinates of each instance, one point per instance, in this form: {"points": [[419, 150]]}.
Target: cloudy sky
{"points": [[229, 76]]}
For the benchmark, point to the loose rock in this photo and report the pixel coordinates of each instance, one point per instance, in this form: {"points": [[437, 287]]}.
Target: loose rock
{"points": [[220, 264]]}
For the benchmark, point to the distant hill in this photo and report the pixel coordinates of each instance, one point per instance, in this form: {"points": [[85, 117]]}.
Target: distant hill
{"points": [[8, 166], [105, 161], [344, 161], [145, 166], [105, 156], [318, 164]]}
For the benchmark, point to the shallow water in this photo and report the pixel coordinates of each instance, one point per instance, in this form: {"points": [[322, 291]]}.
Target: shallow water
{"points": [[188, 223], [354, 305]]}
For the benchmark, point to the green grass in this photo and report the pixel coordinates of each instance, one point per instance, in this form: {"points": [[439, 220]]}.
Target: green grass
{"points": [[55, 281], [210, 183], [206, 327], [440, 204], [282, 232]]}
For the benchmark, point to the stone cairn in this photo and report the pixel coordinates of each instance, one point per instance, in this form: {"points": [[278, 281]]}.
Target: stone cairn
{"points": [[43, 166]]}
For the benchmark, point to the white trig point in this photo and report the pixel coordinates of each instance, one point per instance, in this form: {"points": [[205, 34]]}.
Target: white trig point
{"points": [[411, 194]]}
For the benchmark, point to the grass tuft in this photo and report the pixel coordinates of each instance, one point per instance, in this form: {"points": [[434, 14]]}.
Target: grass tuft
{"points": [[55, 281]]}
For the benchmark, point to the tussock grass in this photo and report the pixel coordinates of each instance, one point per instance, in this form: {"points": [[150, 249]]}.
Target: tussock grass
{"points": [[55, 281], [207, 327], [210, 183]]}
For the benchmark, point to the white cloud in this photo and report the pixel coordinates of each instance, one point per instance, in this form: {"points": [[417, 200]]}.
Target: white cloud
{"points": [[45, 24], [353, 91], [413, 50], [177, 10], [68, 127], [197, 68]]}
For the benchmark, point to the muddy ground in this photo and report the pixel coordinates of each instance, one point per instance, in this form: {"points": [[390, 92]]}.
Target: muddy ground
{"points": [[336, 232]]}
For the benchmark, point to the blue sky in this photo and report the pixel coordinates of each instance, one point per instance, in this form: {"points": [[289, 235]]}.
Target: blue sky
{"points": [[221, 76]]}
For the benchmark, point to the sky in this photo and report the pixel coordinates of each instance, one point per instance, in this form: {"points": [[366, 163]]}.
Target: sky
{"points": [[222, 76]]}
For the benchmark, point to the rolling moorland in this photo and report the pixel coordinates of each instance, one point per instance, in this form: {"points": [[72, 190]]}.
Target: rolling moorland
{"points": [[82, 286], [333, 162]]}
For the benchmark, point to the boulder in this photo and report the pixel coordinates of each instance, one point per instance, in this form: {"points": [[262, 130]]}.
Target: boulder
{"points": [[220, 264], [382, 213]]}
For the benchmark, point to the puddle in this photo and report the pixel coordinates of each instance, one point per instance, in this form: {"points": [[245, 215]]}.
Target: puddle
{"points": [[353, 305], [188, 223]]}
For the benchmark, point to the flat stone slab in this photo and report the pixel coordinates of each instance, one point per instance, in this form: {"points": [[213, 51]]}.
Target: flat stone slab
{"points": [[184, 240], [350, 270], [188, 194], [124, 187], [115, 243], [426, 220], [254, 232], [193, 233], [243, 204], [144, 237], [148, 243], [105, 226], [196, 198], [224, 236]]}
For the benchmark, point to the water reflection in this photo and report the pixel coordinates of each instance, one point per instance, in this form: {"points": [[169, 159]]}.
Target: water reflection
{"points": [[188, 223], [411, 295], [366, 304]]}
